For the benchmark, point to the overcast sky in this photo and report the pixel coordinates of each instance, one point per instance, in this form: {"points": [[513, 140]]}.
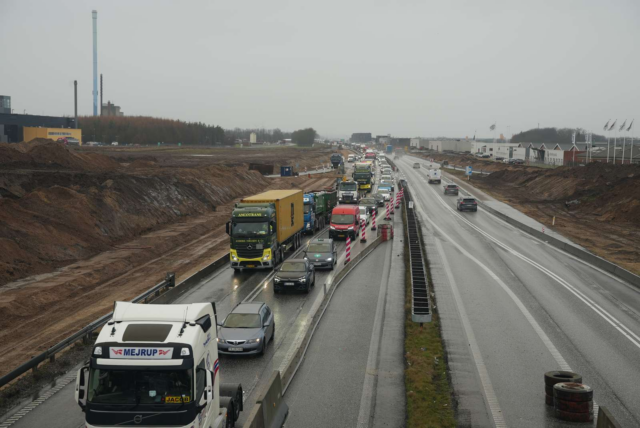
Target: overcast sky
{"points": [[401, 67]]}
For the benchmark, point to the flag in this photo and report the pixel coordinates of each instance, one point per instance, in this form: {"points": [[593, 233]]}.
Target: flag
{"points": [[630, 125], [606, 125], [492, 127], [612, 125], [623, 125]]}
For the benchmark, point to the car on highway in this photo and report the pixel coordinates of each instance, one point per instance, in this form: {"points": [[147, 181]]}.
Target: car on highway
{"points": [[322, 252], [467, 204], [351, 158], [386, 191], [416, 165], [345, 221], [451, 189], [386, 177], [370, 203], [294, 274], [388, 183], [364, 215], [246, 330], [379, 199]]}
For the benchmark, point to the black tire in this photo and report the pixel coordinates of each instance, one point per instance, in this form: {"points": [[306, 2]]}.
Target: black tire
{"points": [[264, 345], [273, 335], [557, 376], [231, 421], [571, 391], [313, 284]]}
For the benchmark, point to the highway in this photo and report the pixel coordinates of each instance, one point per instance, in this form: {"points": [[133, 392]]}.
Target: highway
{"points": [[227, 288], [513, 307]]}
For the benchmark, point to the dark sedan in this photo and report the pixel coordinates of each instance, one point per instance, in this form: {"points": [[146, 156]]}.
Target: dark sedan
{"points": [[295, 274], [322, 253], [467, 204], [370, 203], [451, 189], [379, 199]]}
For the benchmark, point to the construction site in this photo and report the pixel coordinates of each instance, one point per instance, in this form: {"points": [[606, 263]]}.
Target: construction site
{"points": [[83, 227]]}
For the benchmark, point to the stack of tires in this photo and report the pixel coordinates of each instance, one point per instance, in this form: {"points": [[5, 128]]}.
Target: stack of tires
{"points": [[571, 400]]}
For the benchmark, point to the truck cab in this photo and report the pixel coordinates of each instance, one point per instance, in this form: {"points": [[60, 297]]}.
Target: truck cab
{"points": [[336, 160], [309, 200], [348, 192], [363, 173], [157, 365]]}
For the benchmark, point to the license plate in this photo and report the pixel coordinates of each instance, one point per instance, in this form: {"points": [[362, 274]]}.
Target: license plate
{"points": [[341, 236], [235, 349], [288, 283], [251, 266]]}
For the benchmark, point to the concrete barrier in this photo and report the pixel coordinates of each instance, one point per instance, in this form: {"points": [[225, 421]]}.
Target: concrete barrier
{"points": [[174, 293], [606, 419], [270, 409]]}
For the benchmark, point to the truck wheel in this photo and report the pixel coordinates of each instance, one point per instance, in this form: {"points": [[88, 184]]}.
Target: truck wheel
{"points": [[231, 421]]}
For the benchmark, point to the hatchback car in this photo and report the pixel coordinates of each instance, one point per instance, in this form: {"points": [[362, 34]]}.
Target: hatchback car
{"points": [[467, 204], [322, 252], [364, 215], [385, 191], [387, 183], [451, 189], [379, 199], [246, 330], [294, 274]]}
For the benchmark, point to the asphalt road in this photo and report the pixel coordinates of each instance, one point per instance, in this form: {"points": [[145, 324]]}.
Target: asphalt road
{"points": [[513, 307], [353, 374], [226, 288]]}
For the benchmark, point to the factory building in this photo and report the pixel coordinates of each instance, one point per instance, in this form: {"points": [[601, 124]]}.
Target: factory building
{"points": [[5, 104], [111, 110], [15, 128]]}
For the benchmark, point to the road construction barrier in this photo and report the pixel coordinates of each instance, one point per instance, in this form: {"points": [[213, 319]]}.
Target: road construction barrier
{"points": [[392, 210], [270, 409], [373, 219], [388, 217], [606, 419], [348, 251], [363, 226]]}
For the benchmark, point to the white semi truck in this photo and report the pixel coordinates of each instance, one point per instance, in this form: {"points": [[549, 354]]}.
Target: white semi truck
{"points": [[157, 365], [435, 176]]}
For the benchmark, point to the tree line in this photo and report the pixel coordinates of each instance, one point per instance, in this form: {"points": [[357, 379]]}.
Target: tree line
{"points": [[145, 130]]}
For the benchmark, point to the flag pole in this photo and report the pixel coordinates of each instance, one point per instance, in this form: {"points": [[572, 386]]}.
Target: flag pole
{"points": [[608, 143], [615, 143]]}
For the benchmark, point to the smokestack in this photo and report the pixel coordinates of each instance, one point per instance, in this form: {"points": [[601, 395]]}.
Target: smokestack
{"points": [[95, 62], [75, 101], [101, 92]]}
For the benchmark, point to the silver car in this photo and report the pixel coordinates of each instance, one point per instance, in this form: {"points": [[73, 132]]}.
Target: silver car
{"points": [[246, 330]]}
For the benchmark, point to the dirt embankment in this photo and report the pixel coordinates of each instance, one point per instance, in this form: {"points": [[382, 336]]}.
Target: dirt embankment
{"points": [[597, 206]]}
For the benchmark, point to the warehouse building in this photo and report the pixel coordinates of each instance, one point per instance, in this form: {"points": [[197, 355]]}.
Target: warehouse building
{"points": [[20, 127]]}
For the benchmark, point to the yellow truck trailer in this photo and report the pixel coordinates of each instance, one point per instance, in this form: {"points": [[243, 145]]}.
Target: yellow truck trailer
{"points": [[264, 226]]}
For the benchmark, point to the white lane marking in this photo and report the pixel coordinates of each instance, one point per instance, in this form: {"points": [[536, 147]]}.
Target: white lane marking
{"points": [[555, 353], [613, 321], [365, 415], [492, 399]]}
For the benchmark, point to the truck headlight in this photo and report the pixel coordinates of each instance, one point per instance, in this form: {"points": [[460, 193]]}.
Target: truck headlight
{"points": [[350, 228], [332, 228], [308, 226], [234, 257], [266, 257], [276, 280]]}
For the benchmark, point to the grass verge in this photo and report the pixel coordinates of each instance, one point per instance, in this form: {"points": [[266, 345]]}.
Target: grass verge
{"points": [[427, 384]]}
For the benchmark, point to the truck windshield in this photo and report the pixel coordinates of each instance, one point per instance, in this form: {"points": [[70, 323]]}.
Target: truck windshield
{"points": [[349, 187], [342, 219], [362, 175], [242, 321], [240, 230], [140, 386]]}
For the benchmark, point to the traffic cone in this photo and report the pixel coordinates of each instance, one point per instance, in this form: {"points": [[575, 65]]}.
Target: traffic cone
{"points": [[373, 219], [363, 237], [388, 217], [348, 258]]}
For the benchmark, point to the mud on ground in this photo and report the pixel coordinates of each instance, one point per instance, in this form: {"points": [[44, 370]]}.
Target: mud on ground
{"points": [[74, 236]]}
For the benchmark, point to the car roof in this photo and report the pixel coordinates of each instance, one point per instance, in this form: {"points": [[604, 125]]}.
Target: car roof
{"points": [[321, 241], [248, 308], [345, 209]]}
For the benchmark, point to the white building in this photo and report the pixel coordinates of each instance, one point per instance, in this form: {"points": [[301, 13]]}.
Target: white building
{"points": [[419, 143], [491, 148], [450, 145]]}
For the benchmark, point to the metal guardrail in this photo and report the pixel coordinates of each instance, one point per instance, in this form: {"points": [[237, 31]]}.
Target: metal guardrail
{"points": [[420, 302], [84, 334]]}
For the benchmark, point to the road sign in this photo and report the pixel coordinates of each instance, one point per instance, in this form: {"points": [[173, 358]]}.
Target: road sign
{"points": [[469, 170]]}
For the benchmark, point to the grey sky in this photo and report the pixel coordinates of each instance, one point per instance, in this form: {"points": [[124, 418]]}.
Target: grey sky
{"points": [[404, 67]]}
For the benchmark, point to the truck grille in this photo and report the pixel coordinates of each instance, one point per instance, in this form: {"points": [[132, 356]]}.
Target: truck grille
{"points": [[248, 251]]}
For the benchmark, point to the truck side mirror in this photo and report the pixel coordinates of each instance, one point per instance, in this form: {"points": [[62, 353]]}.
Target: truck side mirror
{"points": [[82, 380], [227, 229]]}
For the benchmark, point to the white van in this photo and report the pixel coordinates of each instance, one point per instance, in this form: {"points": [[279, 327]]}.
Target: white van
{"points": [[435, 176]]}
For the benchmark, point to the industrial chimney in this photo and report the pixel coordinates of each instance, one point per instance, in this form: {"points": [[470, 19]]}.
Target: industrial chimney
{"points": [[95, 62]]}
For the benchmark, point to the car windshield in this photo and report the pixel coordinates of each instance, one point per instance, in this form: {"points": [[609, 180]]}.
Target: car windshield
{"points": [[307, 209], [349, 187], [319, 248], [367, 201], [293, 267], [384, 188], [452, 186], [469, 200], [249, 229], [342, 219], [140, 386], [242, 321]]}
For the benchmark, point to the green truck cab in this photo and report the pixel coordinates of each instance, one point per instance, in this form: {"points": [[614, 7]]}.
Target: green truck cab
{"points": [[263, 227], [363, 175]]}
